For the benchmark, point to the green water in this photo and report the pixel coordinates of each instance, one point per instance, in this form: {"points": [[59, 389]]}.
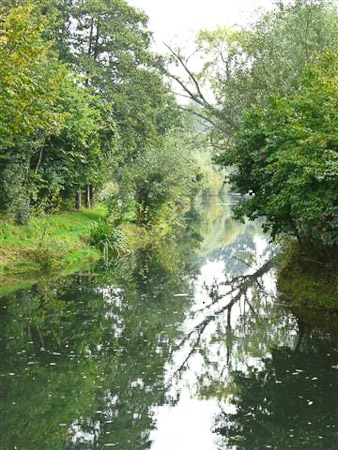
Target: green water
{"points": [[183, 345]]}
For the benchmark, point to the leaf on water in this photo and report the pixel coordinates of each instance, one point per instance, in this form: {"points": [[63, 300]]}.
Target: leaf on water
{"points": [[238, 438]]}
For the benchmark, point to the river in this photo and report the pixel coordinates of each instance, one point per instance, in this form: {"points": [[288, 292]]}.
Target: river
{"points": [[186, 344]]}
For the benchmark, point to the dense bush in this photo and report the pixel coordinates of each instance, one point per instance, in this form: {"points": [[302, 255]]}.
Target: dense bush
{"points": [[161, 181], [287, 155]]}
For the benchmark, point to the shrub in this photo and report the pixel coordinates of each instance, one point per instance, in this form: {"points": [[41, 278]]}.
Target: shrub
{"points": [[109, 239]]}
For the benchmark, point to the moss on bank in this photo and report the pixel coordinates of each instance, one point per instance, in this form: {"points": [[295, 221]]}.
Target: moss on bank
{"points": [[308, 282], [56, 241]]}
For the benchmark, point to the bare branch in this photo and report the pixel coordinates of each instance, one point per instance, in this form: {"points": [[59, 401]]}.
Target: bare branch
{"points": [[192, 111], [190, 74]]}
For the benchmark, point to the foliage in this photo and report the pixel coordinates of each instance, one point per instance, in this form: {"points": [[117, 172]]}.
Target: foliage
{"points": [[244, 66], [30, 82], [82, 152], [109, 239], [310, 279], [55, 136], [29, 78], [287, 155], [108, 41], [99, 112], [161, 180], [23, 248]]}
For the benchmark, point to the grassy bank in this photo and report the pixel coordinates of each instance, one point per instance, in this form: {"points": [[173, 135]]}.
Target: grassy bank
{"points": [[58, 245], [57, 241]]}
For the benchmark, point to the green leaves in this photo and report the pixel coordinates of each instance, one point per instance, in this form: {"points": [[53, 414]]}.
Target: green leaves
{"points": [[29, 78], [287, 154], [161, 180]]}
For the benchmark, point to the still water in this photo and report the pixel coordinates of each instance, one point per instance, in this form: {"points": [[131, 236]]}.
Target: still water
{"points": [[186, 344]]}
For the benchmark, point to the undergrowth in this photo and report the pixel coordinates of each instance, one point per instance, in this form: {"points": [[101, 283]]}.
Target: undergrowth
{"points": [[309, 279]]}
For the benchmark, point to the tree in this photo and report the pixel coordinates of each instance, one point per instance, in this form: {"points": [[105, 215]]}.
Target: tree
{"points": [[242, 67], [56, 137], [30, 80], [158, 186], [286, 154], [81, 154], [108, 41]]}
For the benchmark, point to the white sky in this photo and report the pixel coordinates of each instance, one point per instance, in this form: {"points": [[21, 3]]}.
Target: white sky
{"points": [[176, 20]]}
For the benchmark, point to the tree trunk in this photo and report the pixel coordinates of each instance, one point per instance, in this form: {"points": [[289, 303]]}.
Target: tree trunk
{"points": [[88, 197], [97, 37], [91, 37], [78, 200], [91, 195]]}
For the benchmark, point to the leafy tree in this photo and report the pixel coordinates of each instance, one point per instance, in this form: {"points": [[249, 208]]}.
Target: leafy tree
{"points": [[244, 66], [56, 137], [82, 152], [30, 80], [108, 41], [159, 184], [287, 155]]}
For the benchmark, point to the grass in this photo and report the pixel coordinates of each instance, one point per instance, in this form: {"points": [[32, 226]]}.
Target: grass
{"points": [[58, 244], [56, 241]]}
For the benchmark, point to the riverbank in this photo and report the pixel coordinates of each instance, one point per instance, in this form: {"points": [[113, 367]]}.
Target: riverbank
{"points": [[59, 240], [59, 244], [308, 281]]}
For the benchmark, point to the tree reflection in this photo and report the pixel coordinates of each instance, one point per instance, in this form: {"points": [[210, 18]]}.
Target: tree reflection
{"points": [[290, 403], [274, 372], [86, 360], [211, 326], [83, 358]]}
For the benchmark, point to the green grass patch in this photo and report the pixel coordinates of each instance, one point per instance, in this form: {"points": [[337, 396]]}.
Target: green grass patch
{"points": [[48, 242]]}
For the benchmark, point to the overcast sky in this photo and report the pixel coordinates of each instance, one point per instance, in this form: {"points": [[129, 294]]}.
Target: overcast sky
{"points": [[178, 19]]}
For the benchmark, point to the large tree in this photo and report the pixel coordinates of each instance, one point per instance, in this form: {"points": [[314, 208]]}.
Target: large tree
{"points": [[242, 67], [287, 154], [30, 80]]}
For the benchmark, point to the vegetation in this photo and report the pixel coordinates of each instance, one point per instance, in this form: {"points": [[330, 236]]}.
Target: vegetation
{"points": [[287, 155], [85, 108], [48, 241], [182, 302], [274, 119]]}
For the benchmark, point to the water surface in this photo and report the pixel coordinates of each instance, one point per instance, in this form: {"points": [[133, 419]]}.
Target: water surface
{"points": [[186, 344]]}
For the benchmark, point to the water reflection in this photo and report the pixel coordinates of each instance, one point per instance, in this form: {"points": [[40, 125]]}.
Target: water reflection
{"points": [[83, 358], [181, 345]]}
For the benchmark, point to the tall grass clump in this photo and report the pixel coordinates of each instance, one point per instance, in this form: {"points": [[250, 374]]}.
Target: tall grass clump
{"points": [[105, 236]]}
